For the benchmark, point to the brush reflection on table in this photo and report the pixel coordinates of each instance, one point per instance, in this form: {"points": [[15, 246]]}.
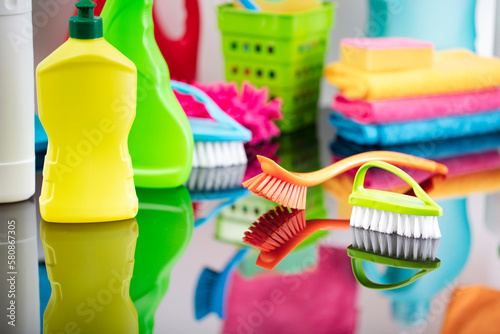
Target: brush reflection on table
{"points": [[393, 251], [213, 189], [280, 231], [411, 303], [212, 288]]}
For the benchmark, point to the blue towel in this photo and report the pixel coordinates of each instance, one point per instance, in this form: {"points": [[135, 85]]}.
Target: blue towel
{"points": [[433, 130], [429, 150]]}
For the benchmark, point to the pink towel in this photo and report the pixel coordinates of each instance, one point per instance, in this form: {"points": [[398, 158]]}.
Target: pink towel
{"points": [[460, 165], [321, 302], [419, 108]]}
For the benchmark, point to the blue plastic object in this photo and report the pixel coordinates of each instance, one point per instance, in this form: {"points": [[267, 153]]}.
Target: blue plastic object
{"points": [[212, 288], [224, 128], [229, 197], [41, 142], [41, 139], [411, 304], [250, 5], [429, 150], [418, 131], [45, 290], [446, 23]]}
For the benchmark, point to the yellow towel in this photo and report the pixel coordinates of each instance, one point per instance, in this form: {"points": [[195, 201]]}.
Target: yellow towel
{"points": [[473, 310], [464, 185], [453, 71], [340, 187]]}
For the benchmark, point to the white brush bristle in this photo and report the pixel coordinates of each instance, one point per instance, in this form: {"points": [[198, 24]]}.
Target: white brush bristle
{"points": [[393, 245], [215, 179], [390, 222], [218, 154]]}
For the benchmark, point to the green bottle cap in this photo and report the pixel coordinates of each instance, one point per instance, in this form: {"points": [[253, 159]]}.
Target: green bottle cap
{"points": [[85, 25]]}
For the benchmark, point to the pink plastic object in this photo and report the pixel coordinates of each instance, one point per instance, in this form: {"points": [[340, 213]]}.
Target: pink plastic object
{"points": [[181, 54], [411, 109], [322, 301], [458, 165], [386, 43], [249, 106]]}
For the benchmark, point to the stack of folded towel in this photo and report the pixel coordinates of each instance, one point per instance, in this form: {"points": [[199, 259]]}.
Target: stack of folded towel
{"points": [[396, 90], [462, 156]]}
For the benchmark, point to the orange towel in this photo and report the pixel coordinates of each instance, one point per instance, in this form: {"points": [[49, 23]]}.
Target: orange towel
{"points": [[473, 310]]}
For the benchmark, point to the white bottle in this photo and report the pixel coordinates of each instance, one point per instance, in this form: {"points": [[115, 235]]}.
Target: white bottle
{"points": [[17, 102]]}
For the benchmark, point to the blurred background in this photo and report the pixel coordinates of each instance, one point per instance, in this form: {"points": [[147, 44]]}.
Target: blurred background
{"points": [[175, 313], [50, 29]]}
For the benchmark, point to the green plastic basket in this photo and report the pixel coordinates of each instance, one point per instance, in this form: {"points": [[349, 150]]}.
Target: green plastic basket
{"points": [[283, 52], [267, 73], [298, 119]]}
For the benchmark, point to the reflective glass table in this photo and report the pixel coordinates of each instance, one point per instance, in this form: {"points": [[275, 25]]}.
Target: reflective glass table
{"points": [[181, 267]]}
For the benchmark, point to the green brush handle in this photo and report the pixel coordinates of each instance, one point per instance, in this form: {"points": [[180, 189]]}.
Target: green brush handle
{"points": [[419, 192], [357, 269], [357, 258]]}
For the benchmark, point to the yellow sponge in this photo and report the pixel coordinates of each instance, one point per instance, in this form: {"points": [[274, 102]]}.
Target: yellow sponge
{"points": [[386, 53]]}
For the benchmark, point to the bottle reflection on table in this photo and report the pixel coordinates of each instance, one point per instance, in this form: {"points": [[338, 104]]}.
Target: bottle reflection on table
{"points": [[90, 267], [19, 302], [165, 221]]}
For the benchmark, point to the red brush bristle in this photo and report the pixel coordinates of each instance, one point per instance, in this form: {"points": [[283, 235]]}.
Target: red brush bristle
{"points": [[278, 191], [275, 228]]}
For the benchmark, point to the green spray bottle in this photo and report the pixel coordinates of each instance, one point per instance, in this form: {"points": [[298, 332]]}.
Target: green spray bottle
{"points": [[160, 141]]}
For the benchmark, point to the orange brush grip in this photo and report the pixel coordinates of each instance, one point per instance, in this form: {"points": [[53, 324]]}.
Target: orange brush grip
{"points": [[322, 175], [269, 260]]}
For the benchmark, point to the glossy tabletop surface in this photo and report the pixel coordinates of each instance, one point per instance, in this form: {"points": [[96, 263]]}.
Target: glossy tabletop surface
{"points": [[186, 259]]}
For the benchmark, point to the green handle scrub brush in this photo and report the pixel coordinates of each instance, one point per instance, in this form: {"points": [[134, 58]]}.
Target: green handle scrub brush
{"points": [[387, 212]]}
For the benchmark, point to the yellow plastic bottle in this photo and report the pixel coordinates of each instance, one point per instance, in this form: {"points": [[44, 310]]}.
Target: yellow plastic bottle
{"points": [[89, 268], [86, 103]]}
